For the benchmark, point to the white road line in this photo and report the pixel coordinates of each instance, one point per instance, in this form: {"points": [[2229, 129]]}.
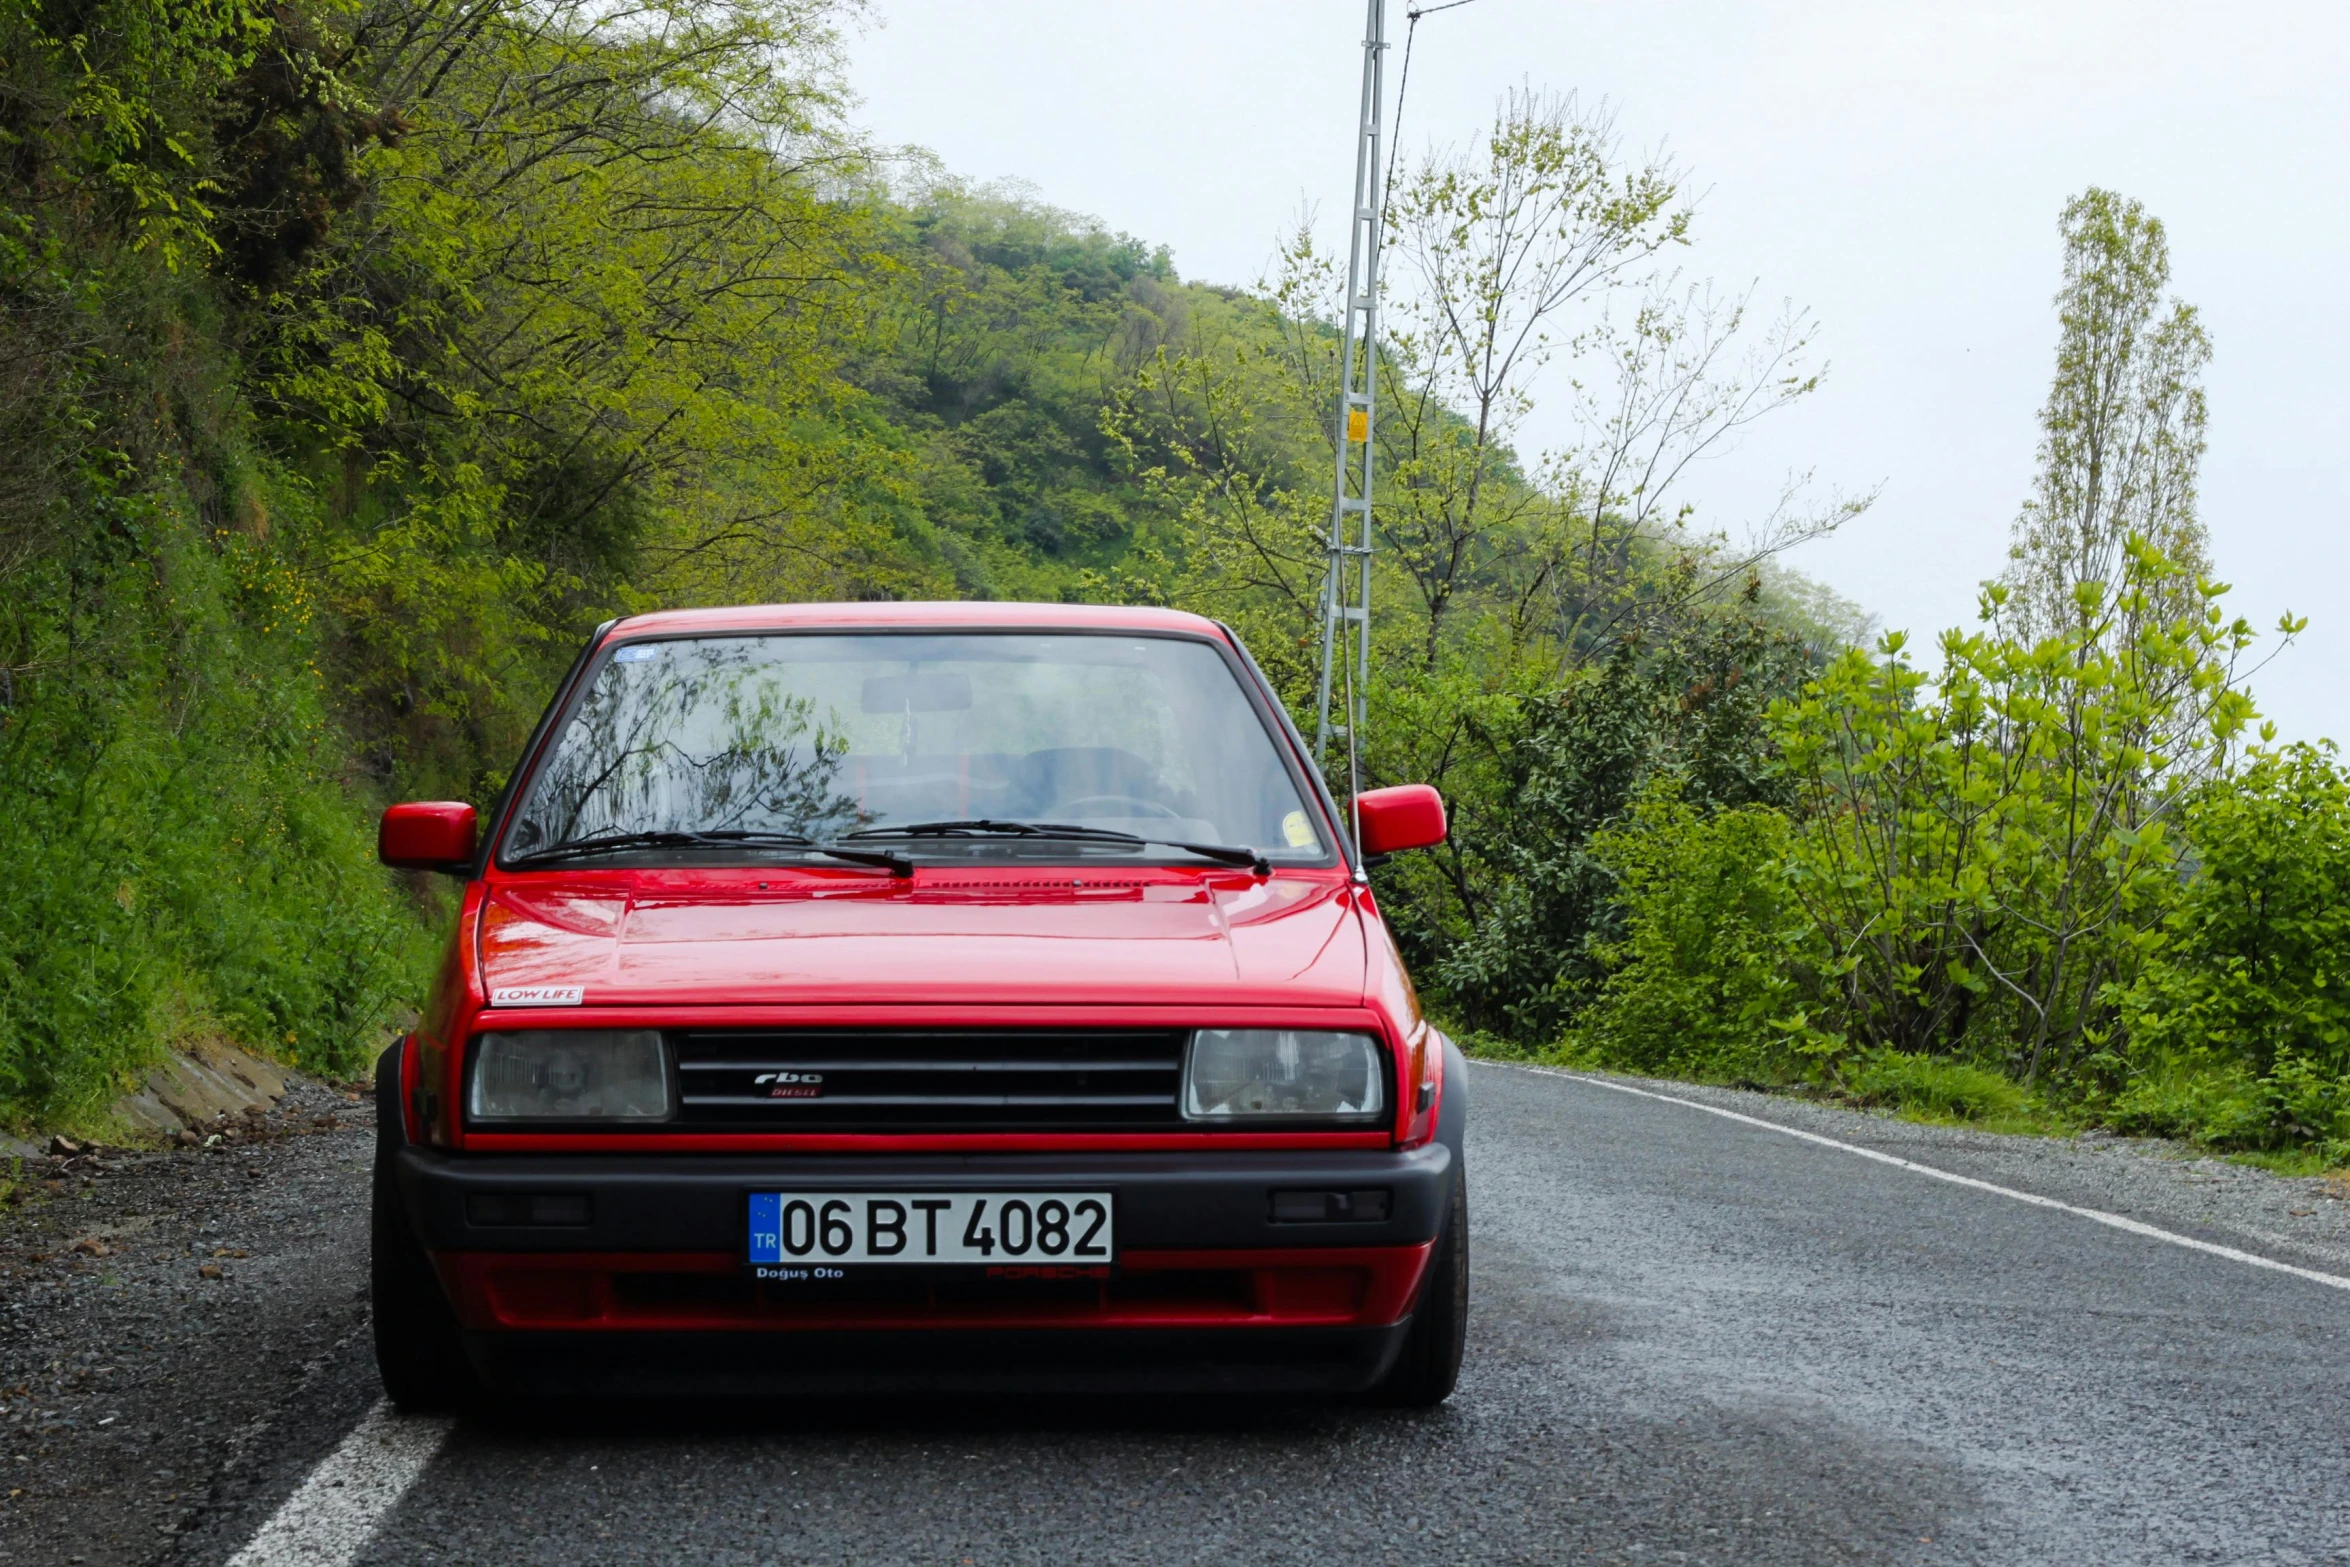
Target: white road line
{"points": [[2112, 1220], [333, 1514]]}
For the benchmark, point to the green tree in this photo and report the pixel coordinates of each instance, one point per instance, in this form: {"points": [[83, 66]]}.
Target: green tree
{"points": [[1985, 854], [1543, 900], [1545, 246], [2121, 435], [573, 353]]}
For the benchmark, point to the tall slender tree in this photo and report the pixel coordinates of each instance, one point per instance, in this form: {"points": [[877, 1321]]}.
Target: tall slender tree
{"points": [[2122, 431]]}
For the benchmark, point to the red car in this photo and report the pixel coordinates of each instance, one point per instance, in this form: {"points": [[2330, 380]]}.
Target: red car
{"points": [[918, 996]]}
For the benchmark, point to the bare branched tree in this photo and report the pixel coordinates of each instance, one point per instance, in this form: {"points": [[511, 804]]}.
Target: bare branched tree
{"points": [[1546, 243], [1497, 246], [1677, 382]]}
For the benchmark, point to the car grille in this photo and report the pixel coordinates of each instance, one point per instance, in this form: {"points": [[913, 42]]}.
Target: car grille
{"points": [[907, 1080]]}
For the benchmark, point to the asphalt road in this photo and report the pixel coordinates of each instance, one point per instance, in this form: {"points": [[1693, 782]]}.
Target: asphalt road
{"points": [[1692, 1340]]}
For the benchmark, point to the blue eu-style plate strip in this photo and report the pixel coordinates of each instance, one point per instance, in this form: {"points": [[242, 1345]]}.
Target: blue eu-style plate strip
{"points": [[766, 1227]]}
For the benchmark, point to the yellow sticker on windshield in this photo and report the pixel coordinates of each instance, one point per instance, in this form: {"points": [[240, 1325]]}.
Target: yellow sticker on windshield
{"points": [[1295, 829]]}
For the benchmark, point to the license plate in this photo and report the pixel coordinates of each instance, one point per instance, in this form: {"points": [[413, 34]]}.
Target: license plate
{"points": [[931, 1227]]}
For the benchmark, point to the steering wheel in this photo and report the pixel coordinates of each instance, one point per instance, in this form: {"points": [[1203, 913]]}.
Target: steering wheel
{"points": [[1078, 807]]}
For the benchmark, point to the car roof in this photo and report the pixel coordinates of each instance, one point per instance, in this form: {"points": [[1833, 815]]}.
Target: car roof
{"points": [[896, 615]]}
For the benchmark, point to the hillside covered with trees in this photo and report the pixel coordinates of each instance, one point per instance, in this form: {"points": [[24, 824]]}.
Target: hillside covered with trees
{"points": [[365, 354]]}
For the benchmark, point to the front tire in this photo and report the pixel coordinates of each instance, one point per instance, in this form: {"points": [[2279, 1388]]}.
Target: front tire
{"points": [[418, 1350], [1429, 1365]]}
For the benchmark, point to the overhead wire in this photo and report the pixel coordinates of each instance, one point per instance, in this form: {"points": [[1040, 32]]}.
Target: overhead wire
{"points": [[1403, 86]]}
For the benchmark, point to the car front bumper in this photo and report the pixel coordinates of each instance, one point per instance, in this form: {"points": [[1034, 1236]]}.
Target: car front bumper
{"points": [[642, 1284], [633, 1277]]}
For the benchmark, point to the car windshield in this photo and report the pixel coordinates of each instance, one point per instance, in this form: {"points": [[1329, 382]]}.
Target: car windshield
{"points": [[822, 736]]}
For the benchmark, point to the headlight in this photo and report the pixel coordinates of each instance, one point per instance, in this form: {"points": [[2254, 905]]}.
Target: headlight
{"points": [[1234, 1074], [570, 1074]]}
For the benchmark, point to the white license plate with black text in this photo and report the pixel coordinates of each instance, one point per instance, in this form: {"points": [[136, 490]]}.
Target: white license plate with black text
{"points": [[931, 1227]]}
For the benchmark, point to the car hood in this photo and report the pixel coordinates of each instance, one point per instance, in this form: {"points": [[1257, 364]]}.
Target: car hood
{"points": [[1016, 939]]}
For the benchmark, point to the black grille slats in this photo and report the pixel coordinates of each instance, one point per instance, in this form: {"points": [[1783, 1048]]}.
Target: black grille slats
{"points": [[928, 1080]]}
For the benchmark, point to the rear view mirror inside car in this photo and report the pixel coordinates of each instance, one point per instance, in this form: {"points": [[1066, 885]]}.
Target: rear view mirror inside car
{"points": [[918, 693]]}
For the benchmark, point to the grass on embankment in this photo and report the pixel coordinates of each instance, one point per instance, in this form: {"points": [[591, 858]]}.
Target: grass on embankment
{"points": [[2202, 1114]]}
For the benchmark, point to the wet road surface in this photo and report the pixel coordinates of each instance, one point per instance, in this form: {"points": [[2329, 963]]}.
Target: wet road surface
{"points": [[1692, 1340]]}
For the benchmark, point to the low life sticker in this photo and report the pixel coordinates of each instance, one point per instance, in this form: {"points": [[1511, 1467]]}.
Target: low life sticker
{"points": [[537, 995]]}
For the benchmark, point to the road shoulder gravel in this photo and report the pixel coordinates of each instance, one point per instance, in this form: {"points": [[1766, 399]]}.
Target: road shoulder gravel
{"points": [[169, 1322]]}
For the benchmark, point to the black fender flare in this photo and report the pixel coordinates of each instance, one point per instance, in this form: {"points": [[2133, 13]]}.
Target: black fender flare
{"points": [[1452, 1109], [391, 1123], [1452, 1121]]}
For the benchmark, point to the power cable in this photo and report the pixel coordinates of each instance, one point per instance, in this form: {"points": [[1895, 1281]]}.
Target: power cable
{"points": [[1403, 86]]}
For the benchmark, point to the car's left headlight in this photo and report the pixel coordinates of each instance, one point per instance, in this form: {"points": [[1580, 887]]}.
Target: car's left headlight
{"points": [[570, 1074], [1264, 1074]]}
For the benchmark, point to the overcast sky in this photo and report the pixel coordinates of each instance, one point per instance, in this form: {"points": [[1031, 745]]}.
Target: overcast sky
{"points": [[1895, 165]]}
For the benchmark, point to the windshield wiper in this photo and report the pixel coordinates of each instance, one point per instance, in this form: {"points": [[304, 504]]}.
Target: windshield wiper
{"points": [[618, 842], [984, 827], [715, 838]]}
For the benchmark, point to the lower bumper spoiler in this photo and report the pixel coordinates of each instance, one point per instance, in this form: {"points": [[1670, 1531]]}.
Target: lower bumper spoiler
{"points": [[599, 1294], [826, 1364]]}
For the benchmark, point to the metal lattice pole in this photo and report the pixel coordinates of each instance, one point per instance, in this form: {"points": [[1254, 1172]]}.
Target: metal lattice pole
{"points": [[1346, 588]]}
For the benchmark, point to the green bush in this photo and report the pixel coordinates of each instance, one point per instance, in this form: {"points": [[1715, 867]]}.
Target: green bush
{"points": [[1708, 980], [2255, 964], [1575, 760], [1991, 849], [2239, 1022]]}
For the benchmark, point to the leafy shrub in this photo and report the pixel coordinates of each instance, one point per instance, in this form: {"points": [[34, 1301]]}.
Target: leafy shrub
{"points": [[2256, 959], [2240, 1019], [1709, 978], [1692, 706], [1990, 851]]}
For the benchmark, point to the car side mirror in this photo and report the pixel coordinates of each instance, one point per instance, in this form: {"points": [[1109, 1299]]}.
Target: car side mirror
{"points": [[1408, 816], [427, 835]]}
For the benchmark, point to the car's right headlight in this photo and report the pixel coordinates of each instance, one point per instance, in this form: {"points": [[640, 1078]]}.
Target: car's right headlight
{"points": [[570, 1074], [1265, 1074]]}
